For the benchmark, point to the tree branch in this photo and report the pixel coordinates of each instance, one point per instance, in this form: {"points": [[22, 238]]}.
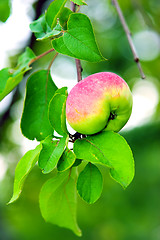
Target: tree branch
{"points": [[49, 67], [78, 63], [79, 70], [40, 56], [73, 6], [128, 34]]}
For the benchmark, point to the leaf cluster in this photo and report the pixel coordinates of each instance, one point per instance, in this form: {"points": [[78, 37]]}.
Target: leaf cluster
{"points": [[70, 34], [10, 78], [44, 119]]}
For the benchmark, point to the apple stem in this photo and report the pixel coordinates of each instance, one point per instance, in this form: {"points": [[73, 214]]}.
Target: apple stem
{"points": [[78, 63], [128, 34], [76, 136]]}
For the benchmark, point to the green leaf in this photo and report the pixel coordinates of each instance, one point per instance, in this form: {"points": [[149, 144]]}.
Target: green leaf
{"points": [[64, 17], [79, 40], [58, 27], [4, 75], [58, 201], [23, 168], [12, 82], [41, 29], [51, 153], [39, 91], [4, 10], [57, 111], [54, 11], [90, 183], [110, 149], [61, 47], [77, 162], [79, 2], [23, 61], [66, 161], [39, 25], [16, 76]]}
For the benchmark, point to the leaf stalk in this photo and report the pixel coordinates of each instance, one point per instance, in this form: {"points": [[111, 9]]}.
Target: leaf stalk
{"points": [[40, 56]]}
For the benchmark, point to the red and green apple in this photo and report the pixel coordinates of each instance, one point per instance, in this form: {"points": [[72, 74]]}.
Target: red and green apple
{"points": [[102, 101]]}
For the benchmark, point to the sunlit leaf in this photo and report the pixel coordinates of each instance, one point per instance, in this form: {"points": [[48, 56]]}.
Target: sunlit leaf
{"points": [[23, 168], [51, 152], [41, 29], [110, 149], [66, 161], [40, 89], [14, 76], [24, 60], [4, 75], [54, 11], [64, 17], [90, 183], [79, 40], [57, 111], [58, 201]]}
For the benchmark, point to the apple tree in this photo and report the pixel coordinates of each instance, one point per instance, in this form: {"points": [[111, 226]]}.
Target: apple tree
{"points": [[59, 152]]}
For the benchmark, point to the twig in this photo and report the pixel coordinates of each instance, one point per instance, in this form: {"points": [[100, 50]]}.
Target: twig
{"points": [[40, 56], [73, 6], [78, 63], [49, 67], [128, 34], [79, 70]]}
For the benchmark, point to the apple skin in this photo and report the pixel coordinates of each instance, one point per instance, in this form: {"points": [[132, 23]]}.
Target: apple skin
{"points": [[102, 101]]}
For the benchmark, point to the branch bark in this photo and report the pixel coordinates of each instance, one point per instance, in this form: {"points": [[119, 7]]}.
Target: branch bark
{"points": [[73, 6], [128, 34], [79, 70], [78, 63]]}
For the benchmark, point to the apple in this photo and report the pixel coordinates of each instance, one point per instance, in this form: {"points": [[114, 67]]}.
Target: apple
{"points": [[102, 101]]}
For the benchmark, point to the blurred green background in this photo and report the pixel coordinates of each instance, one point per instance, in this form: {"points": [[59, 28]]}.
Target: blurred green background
{"points": [[119, 214]]}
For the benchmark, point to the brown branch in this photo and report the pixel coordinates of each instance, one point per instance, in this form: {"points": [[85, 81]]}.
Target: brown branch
{"points": [[78, 63], [79, 70], [40, 56], [128, 34], [73, 6]]}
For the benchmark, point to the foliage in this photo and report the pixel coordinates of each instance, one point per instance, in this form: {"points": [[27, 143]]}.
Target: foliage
{"points": [[90, 183], [70, 33], [110, 149], [23, 168], [39, 91], [10, 78], [59, 206], [4, 10], [78, 41]]}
